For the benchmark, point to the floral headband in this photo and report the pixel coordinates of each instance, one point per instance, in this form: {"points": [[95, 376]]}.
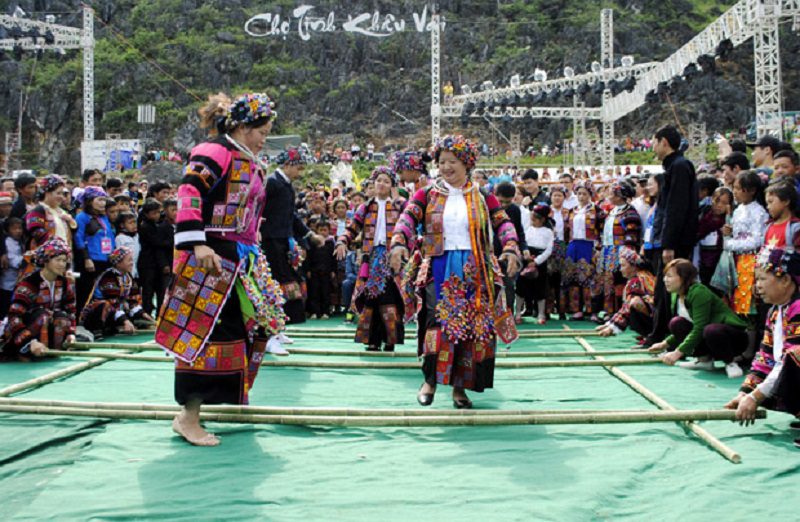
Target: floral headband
{"points": [[779, 262], [52, 182], [385, 171], [53, 248], [250, 108], [632, 257], [118, 255], [623, 190], [466, 152]]}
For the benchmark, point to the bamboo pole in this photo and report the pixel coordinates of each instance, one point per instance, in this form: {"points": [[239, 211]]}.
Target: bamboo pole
{"points": [[285, 410], [389, 421], [704, 435], [364, 365], [52, 376], [147, 347], [525, 334]]}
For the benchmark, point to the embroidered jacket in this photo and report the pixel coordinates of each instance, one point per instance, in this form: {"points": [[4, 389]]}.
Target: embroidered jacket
{"points": [[641, 285], [366, 219], [33, 293], [595, 217], [222, 192], [627, 228], [764, 361], [41, 226], [118, 290], [427, 207]]}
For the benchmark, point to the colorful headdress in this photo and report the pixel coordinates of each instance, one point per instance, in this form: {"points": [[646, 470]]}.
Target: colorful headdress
{"points": [[118, 254], [250, 108], [53, 248], [410, 160], [632, 257], [52, 182], [780, 262], [466, 152], [558, 188], [290, 157], [623, 189], [90, 193], [386, 171], [542, 210], [586, 184]]}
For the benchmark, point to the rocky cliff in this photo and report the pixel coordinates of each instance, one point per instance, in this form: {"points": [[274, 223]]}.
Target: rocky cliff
{"points": [[173, 53]]}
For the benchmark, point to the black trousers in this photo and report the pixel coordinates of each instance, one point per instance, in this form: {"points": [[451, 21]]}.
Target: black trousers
{"points": [[320, 286], [154, 284]]}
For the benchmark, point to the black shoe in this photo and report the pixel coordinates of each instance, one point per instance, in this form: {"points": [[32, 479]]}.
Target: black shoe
{"points": [[795, 425], [797, 443], [372, 348], [462, 404], [424, 399], [388, 348]]}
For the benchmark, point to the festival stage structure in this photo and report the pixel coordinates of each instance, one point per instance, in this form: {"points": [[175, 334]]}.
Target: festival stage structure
{"points": [[626, 88]]}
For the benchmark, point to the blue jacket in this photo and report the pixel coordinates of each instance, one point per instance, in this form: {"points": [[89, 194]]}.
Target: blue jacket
{"points": [[90, 235]]}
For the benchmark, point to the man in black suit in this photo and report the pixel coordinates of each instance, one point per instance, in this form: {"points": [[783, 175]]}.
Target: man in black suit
{"points": [[675, 220], [282, 227]]}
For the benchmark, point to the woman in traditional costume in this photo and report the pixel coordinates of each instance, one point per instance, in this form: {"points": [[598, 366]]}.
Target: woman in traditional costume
{"points": [[223, 304], [774, 378], [376, 297], [116, 300], [42, 312], [47, 220], [637, 298], [622, 228], [582, 232], [555, 265], [461, 302]]}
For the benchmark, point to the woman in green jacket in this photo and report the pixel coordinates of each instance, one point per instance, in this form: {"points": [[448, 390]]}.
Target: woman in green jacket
{"points": [[702, 324]]}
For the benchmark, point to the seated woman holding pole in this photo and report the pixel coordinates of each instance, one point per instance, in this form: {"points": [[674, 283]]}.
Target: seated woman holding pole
{"points": [[637, 297], [774, 378], [116, 301], [42, 312], [702, 324]]}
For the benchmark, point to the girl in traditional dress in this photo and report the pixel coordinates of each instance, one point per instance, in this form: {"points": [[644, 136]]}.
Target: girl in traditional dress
{"points": [[532, 282], [376, 297], [116, 301], [582, 231], [223, 304], [744, 237], [637, 298], [459, 278], [622, 228], [774, 378], [555, 264], [411, 170], [42, 312]]}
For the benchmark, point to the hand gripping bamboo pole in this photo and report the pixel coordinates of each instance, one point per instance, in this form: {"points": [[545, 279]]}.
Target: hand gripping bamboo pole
{"points": [[704, 435]]}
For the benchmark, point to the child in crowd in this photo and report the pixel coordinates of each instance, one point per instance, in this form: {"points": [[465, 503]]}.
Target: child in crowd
{"points": [[783, 226], [128, 237], [154, 264], [745, 235], [532, 283], [321, 269], [709, 237], [13, 248]]}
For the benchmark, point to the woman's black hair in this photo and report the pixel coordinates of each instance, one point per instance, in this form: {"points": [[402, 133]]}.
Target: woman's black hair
{"points": [[659, 179]]}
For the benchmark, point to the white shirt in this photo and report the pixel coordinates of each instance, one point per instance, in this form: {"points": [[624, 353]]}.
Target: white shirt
{"points": [[579, 223], [282, 174], [641, 207], [380, 224], [608, 226], [456, 221], [683, 311], [571, 202], [768, 385], [540, 238], [558, 218]]}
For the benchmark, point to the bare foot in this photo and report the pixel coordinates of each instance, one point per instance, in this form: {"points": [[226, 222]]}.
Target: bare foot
{"points": [[193, 432]]}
